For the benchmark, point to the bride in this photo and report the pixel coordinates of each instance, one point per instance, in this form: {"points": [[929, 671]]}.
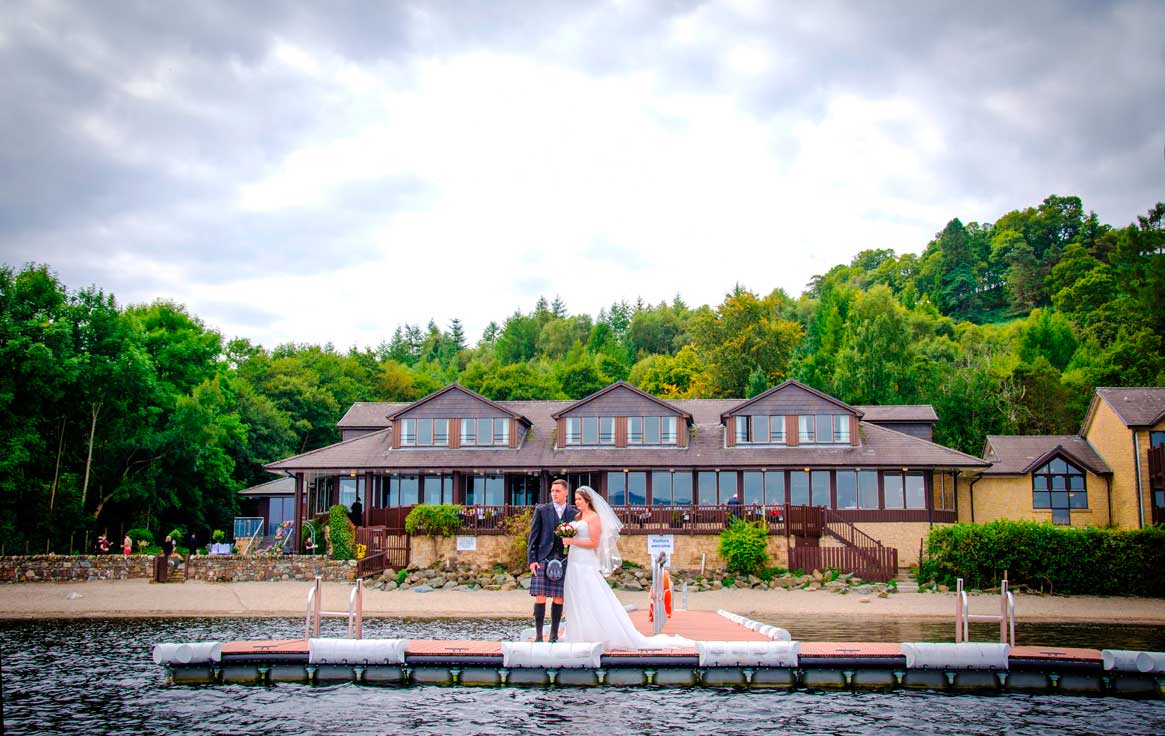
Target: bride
{"points": [[592, 611]]}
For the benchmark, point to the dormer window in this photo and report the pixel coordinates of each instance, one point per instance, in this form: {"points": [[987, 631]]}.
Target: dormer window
{"points": [[424, 432], [485, 432], [823, 429], [584, 431], [760, 429]]}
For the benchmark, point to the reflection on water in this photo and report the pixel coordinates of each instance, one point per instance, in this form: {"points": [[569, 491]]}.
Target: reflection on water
{"points": [[96, 676]]}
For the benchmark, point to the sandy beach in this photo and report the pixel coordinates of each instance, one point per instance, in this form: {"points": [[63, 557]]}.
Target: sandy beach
{"points": [[140, 598]]}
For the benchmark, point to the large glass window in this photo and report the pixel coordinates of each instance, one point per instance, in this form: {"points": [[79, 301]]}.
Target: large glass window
{"points": [[775, 487], [868, 489], [798, 488], [617, 488], [350, 490], [760, 429], [661, 494], [590, 430], [1059, 486], [438, 489], [424, 432], [524, 490], [821, 488], [823, 429], [847, 489], [895, 498], [606, 430], [635, 430], [484, 490], [480, 432], [754, 487], [681, 484], [824, 424], [651, 430], [915, 491], [485, 431], [441, 432], [576, 480], [727, 485], [404, 490], [707, 481], [637, 487]]}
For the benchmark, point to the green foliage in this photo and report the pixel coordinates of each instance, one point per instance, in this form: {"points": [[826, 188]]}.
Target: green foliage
{"points": [[176, 536], [1058, 559], [400, 576], [744, 545], [218, 536], [341, 533], [138, 534], [435, 520], [518, 527]]}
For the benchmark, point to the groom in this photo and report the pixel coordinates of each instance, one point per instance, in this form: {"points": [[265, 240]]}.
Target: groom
{"points": [[542, 544]]}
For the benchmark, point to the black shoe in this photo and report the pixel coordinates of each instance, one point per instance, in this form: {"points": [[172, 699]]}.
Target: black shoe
{"points": [[539, 639], [553, 639]]}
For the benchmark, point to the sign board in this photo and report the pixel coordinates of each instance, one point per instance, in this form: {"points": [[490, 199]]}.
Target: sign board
{"points": [[657, 543], [467, 544]]}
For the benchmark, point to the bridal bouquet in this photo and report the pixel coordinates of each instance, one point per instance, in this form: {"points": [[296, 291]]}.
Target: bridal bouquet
{"points": [[566, 529]]}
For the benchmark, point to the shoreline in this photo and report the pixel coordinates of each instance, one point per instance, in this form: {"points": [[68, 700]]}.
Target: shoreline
{"points": [[194, 599]]}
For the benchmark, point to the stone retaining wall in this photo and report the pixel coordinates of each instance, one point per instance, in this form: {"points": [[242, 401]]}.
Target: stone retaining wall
{"points": [[70, 568], [240, 569], [216, 568]]}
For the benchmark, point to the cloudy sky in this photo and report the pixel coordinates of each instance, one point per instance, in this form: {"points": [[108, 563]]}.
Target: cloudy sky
{"points": [[325, 172]]}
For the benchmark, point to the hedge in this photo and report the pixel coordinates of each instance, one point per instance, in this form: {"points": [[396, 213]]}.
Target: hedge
{"points": [[1042, 556]]}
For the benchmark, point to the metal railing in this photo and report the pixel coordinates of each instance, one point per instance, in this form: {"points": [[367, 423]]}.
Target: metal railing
{"points": [[245, 526], [315, 612], [1006, 617]]}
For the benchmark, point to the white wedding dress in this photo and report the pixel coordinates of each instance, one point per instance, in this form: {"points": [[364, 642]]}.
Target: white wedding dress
{"points": [[593, 613]]}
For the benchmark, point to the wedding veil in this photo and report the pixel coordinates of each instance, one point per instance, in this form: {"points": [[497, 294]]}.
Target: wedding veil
{"points": [[608, 549]]}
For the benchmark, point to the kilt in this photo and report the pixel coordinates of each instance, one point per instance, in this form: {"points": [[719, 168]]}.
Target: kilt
{"points": [[541, 586]]}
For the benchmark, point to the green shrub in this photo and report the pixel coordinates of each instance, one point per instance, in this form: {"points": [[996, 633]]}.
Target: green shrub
{"points": [[141, 535], [518, 527], [1042, 556], [176, 536], [744, 546], [218, 536], [435, 520], [343, 540], [400, 576]]}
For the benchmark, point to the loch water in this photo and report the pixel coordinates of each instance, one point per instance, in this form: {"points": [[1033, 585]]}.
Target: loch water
{"points": [[96, 676]]}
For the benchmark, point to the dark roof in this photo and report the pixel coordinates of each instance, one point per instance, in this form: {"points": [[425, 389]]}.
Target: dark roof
{"points": [[735, 409], [922, 413], [670, 406], [1136, 407], [370, 414], [1021, 454], [880, 447], [284, 486]]}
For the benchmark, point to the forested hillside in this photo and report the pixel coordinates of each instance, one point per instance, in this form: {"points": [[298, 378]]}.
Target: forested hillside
{"points": [[120, 416]]}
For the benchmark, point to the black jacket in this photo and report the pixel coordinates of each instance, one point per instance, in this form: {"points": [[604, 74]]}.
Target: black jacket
{"points": [[543, 541]]}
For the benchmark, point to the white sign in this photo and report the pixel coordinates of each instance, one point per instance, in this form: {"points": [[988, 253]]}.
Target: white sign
{"points": [[657, 543], [467, 544]]}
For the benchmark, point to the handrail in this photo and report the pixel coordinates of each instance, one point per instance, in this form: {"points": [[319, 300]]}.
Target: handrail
{"points": [[252, 548], [964, 617], [315, 612], [872, 549]]}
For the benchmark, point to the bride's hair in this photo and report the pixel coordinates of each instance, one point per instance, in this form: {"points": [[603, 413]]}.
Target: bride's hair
{"points": [[585, 492]]}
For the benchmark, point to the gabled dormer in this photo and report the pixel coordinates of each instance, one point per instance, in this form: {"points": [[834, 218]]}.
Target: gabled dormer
{"points": [[788, 415], [621, 415], [457, 418]]}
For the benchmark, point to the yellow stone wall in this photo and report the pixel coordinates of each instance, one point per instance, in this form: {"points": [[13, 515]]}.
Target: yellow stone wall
{"points": [[491, 549], [1114, 441], [905, 536], [1010, 497]]}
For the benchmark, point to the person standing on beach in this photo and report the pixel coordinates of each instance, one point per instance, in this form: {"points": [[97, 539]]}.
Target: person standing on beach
{"points": [[544, 545], [126, 545]]}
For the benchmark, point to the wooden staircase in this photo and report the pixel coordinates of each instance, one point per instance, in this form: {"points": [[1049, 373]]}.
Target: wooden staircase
{"points": [[859, 554]]}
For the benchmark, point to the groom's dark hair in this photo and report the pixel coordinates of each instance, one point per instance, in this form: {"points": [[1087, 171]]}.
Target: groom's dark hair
{"points": [[560, 482]]}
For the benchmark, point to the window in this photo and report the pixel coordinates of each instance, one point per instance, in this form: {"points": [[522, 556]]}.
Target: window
{"points": [[823, 429], [485, 431], [661, 485], [681, 486], [606, 430], [799, 488], [905, 490], [403, 490], [590, 430], [651, 430], [847, 489], [524, 490], [637, 487], [484, 490], [424, 432], [867, 489], [468, 433], [727, 485], [707, 480], [441, 432], [481, 432], [841, 428], [1059, 486], [667, 431], [760, 429], [821, 488], [754, 487], [775, 487], [743, 430], [438, 489], [573, 431], [408, 432], [635, 430], [617, 488], [894, 496], [502, 431], [350, 490]]}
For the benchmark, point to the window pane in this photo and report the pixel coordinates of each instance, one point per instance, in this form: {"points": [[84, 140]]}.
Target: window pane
{"points": [[616, 489], [1059, 481], [799, 488], [661, 488], [847, 489], [393, 493], [474, 490], [573, 431], [754, 487], [1041, 500], [821, 488], [1077, 499], [409, 490], [727, 485], [501, 431], [637, 487], [775, 487], [682, 488], [635, 430], [606, 430], [347, 491], [760, 428], [915, 492], [651, 430], [1061, 516], [1040, 482], [777, 429], [667, 430], [893, 486], [408, 432], [485, 431], [1058, 466], [432, 486], [494, 490], [1059, 499], [841, 428], [1076, 482], [441, 432], [824, 428], [707, 487], [468, 432], [743, 430], [425, 431], [590, 433], [805, 430], [868, 489]]}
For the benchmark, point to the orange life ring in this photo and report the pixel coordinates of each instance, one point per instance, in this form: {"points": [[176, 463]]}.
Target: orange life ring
{"points": [[666, 598]]}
